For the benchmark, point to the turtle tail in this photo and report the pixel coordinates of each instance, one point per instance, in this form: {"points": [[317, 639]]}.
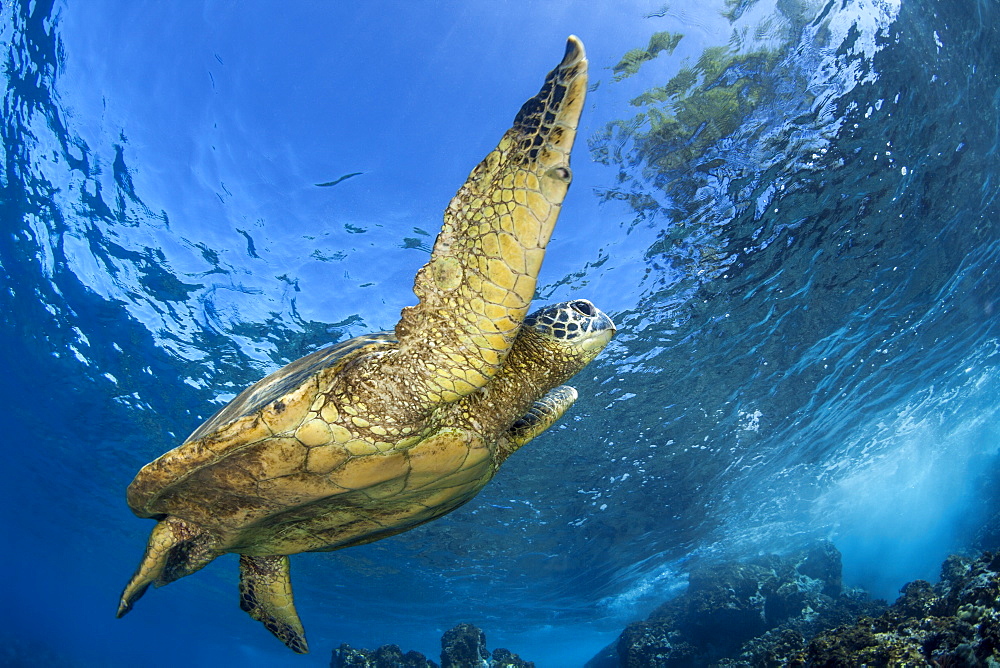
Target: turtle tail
{"points": [[266, 594], [176, 548]]}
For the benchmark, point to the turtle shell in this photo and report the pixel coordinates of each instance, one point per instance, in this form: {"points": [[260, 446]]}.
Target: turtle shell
{"points": [[287, 379], [267, 474], [251, 417]]}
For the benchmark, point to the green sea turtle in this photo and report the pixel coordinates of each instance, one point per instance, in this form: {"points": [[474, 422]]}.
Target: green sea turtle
{"points": [[384, 432]]}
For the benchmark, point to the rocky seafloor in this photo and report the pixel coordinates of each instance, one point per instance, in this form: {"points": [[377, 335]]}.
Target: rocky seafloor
{"points": [[462, 647], [771, 611]]}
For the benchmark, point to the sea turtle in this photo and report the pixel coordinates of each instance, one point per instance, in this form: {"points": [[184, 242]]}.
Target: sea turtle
{"points": [[384, 432]]}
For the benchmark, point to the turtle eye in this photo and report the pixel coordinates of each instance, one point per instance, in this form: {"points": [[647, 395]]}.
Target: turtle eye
{"points": [[583, 307]]}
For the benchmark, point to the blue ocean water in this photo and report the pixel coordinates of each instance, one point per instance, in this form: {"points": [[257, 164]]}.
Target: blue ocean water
{"points": [[790, 208]]}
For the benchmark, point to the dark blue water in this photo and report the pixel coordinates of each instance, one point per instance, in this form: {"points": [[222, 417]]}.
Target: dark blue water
{"points": [[791, 212]]}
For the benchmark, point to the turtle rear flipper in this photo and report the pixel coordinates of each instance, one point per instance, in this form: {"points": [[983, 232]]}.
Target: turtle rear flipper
{"points": [[266, 594], [175, 548]]}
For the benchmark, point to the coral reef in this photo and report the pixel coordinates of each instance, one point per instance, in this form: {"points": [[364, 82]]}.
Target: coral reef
{"points": [[793, 612], [386, 656], [462, 647], [772, 611], [757, 613], [953, 623]]}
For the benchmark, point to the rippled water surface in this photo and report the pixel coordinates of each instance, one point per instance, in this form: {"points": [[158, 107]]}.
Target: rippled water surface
{"points": [[789, 208]]}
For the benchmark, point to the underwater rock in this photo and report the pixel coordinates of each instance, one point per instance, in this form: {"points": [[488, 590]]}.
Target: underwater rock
{"points": [[465, 647], [809, 620], [953, 623], [386, 656], [504, 658], [462, 647], [756, 613], [653, 645]]}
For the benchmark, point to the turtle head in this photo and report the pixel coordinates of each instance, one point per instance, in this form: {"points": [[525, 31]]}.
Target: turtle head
{"points": [[571, 333]]}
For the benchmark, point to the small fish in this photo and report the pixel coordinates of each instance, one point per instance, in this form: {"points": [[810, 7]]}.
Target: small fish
{"points": [[342, 178]]}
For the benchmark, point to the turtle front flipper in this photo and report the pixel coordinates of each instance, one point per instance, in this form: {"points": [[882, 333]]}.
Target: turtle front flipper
{"points": [[542, 415], [266, 594], [475, 290], [175, 548]]}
